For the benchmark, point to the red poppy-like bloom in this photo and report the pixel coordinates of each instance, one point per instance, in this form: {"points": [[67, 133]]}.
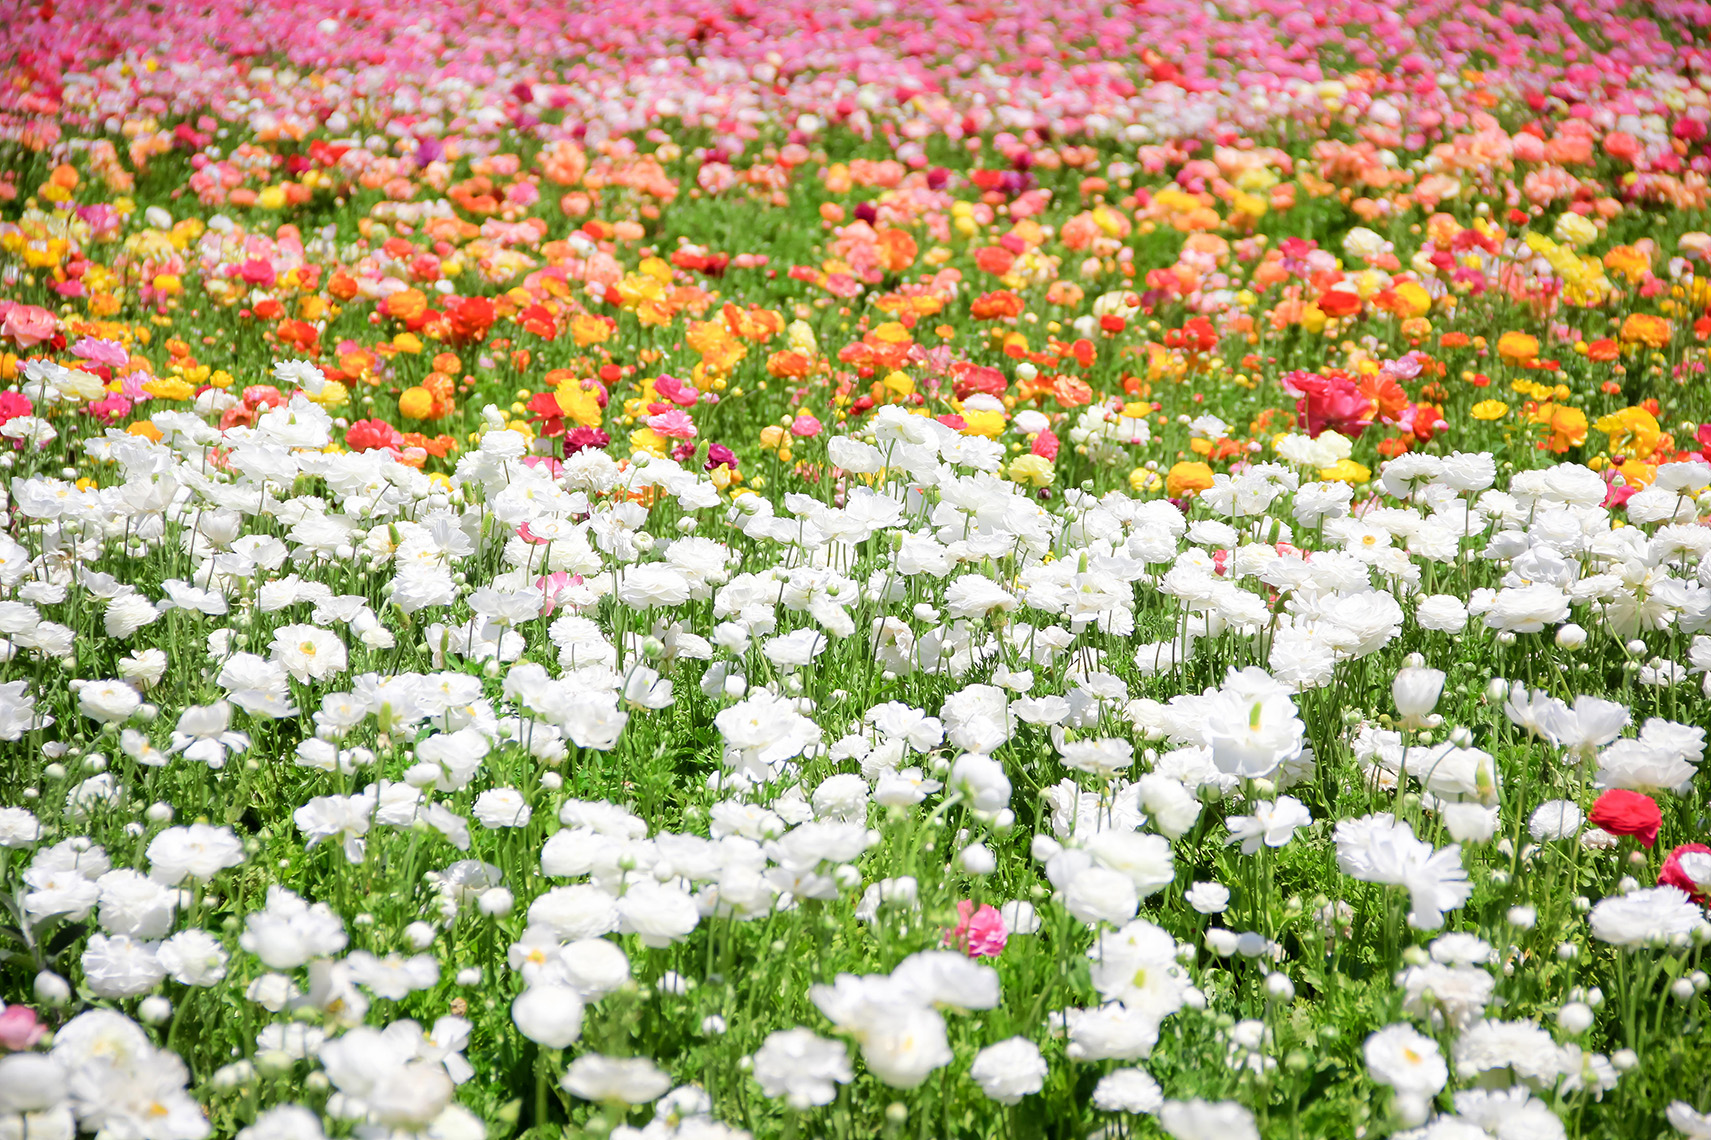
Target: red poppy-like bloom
{"points": [[1621, 812]]}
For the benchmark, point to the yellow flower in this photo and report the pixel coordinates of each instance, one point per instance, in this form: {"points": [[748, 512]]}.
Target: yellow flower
{"points": [[899, 382], [1032, 470], [1575, 229], [988, 423], [170, 388], [1345, 471], [648, 440], [332, 394], [1140, 479], [416, 403], [1632, 431], [1489, 410], [578, 401]]}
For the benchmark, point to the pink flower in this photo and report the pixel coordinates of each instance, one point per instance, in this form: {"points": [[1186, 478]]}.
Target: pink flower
{"points": [[677, 391], [674, 424], [805, 426], [109, 352], [28, 325], [553, 585], [110, 408], [19, 1028], [1333, 402], [980, 933]]}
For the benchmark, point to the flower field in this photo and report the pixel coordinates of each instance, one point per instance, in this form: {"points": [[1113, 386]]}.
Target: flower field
{"points": [[774, 570]]}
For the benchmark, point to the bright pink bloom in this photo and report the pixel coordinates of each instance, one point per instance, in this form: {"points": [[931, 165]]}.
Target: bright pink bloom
{"points": [[1045, 444], [13, 405], [110, 408], [980, 933], [805, 426]]}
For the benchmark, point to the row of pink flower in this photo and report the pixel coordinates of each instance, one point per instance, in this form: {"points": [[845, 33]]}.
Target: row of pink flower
{"points": [[612, 66]]}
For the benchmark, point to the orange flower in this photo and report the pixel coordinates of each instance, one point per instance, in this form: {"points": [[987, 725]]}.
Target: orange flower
{"points": [[1388, 398], [897, 250], [1603, 349], [994, 305], [1071, 393], [1567, 426], [1187, 478], [1454, 340], [1644, 328], [587, 329], [406, 305], [1517, 347], [1066, 293], [789, 364]]}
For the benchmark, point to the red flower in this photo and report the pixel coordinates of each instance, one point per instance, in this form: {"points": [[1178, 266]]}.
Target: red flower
{"points": [[373, 435], [1623, 812], [469, 318], [1339, 303], [1045, 445], [1673, 874]]}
